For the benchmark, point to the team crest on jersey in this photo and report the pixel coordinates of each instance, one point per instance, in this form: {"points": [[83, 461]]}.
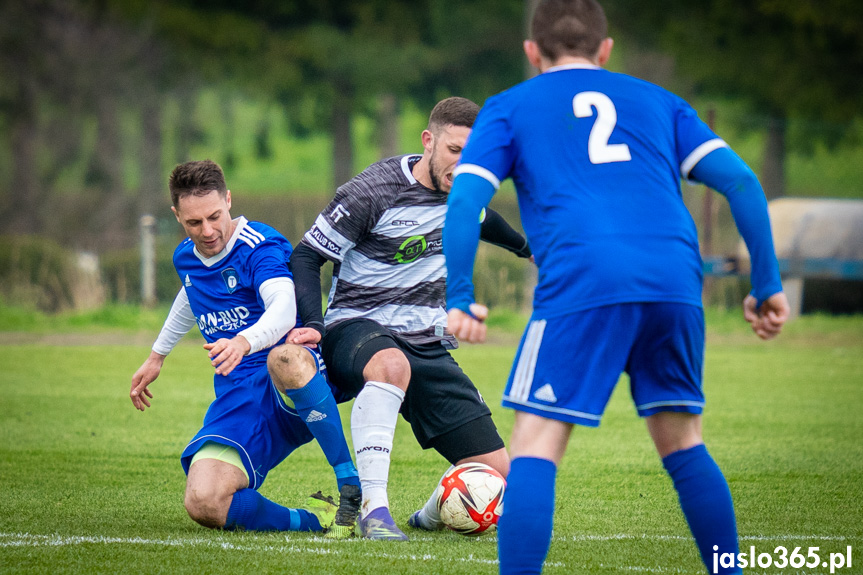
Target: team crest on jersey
{"points": [[232, 279]]}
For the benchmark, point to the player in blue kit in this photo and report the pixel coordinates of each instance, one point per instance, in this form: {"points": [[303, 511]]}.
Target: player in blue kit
{"points": [[270, 398], [596, 158]]}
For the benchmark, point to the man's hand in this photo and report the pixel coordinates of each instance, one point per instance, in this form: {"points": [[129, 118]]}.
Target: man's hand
{"points": [[307, 336], [226, 354], [767, 321], [467, 328], [146, 374]]}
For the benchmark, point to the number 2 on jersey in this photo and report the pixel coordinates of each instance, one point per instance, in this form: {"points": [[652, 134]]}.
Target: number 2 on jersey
{"points": [[598, 149]]}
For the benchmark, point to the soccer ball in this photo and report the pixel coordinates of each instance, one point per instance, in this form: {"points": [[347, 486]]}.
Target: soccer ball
{"points": [[470, 498]]}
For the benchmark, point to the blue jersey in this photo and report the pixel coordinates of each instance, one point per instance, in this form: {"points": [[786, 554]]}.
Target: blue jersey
{"points": [[596, 158], [223, 290]]}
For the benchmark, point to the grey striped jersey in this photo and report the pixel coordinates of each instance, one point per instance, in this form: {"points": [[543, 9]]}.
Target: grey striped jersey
{"points": [[383, 230]]}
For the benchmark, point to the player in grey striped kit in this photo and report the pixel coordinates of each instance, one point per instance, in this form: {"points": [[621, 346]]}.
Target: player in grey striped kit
{"points": [[384, 336]]}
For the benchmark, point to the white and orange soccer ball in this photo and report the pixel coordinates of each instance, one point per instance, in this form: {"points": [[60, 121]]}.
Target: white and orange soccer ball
{"points": [[470, 498]]}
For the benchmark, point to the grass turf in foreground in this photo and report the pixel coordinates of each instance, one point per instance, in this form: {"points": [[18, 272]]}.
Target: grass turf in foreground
{"points": [[91, 485]]}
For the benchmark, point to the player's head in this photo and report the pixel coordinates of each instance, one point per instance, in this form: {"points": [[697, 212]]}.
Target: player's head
{"points": [[196, 179], [453, 111], [448, 128], [574, 28], [202, 205]]}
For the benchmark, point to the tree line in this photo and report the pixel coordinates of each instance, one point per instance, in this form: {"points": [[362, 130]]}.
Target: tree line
{"points": [[79, 76]]}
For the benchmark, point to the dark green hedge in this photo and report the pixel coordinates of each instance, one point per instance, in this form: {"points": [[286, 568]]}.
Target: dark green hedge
{"points": [[36, 272]]}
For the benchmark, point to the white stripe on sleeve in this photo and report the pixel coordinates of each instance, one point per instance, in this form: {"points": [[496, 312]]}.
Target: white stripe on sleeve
{"points": [[698, 154], [478, 171]]}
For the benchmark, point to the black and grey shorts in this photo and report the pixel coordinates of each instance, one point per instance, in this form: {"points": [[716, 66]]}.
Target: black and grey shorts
{"points": [[445, 410]]}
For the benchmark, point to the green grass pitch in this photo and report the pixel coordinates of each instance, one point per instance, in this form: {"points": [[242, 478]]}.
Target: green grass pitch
{"points": [[89, 485]]}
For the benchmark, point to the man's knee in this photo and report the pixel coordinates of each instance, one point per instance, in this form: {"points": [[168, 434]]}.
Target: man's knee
{"points": [[291, 366], [674, 431], [389, 366], [208, 504], [210, 488]]}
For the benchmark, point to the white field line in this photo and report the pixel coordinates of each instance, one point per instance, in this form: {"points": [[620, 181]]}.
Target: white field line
{"points": [[321, 546], [629, 536], [316, 546]]}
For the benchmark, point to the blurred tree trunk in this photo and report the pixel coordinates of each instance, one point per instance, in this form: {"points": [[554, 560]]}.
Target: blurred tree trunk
{"points": [[106, 165], [152, 195], [388, 125], [113, 211], [529, 8], [25, 195], [229, 126], [21, 61], [343, 154], [773, 168]]}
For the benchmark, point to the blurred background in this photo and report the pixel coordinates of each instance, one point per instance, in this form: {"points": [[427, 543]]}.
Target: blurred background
{"points": [[100, 99]]}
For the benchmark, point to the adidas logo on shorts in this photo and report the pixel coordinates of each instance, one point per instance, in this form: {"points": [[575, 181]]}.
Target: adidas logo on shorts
{"points": [[315, 415], [545, 393]]}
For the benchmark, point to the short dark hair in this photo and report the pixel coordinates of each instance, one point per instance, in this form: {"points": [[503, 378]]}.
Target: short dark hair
{"points": [[196, 179], [453, 111], [568, 28]]}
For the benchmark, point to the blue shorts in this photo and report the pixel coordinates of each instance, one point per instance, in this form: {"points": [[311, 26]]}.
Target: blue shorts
{"points": [[252, 416], [567, 366]]}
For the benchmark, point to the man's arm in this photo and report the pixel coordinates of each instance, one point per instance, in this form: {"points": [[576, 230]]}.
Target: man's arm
{"points": [[766, 308], [470, 194], [178, 323], [494, 229], [306, 265], [280, 313]]}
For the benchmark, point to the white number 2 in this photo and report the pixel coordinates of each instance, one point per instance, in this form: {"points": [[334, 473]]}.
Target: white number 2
{"points": [[598, 149]]}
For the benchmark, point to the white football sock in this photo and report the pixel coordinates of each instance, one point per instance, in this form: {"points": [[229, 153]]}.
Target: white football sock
{"points": [[429, 516], [373, 425]]}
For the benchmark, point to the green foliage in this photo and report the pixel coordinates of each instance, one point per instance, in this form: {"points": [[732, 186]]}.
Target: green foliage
{"points": [[477, 49], [108, 318], [115, 317], [829, 171], [93, 486], [36, 272], [797, 59], [500, 277], [121, 272]]}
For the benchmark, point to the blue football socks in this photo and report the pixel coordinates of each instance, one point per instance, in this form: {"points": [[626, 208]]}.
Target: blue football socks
{"points": [[706, 502], [318, 408], [251, 511], [524, 529]]}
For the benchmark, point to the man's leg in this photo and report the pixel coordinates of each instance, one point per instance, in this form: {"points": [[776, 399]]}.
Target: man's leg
{"points": [[703, 492], [295, 372], [524, 529], [373, 425], [217, 496], [447, 414]]}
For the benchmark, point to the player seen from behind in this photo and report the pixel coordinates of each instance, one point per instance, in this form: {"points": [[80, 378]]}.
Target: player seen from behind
{"points": [[596, 158]]}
